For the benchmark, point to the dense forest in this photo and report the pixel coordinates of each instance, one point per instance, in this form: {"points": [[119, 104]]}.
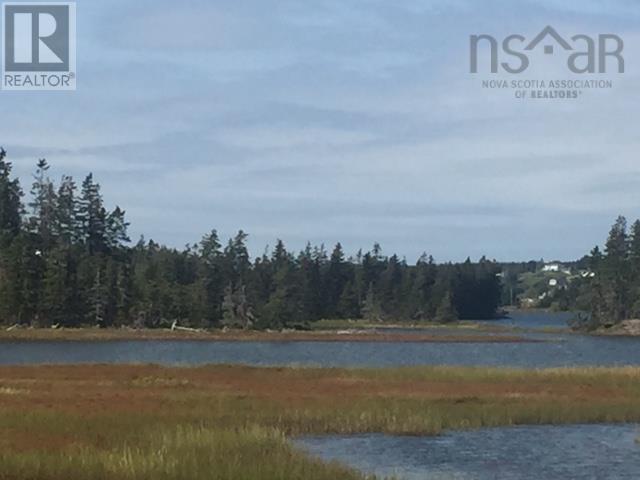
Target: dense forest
{"points": [[614, 287], [66, 260]]}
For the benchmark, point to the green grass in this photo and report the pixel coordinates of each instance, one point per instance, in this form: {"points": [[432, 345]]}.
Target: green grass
{"points": [[192, 453]]}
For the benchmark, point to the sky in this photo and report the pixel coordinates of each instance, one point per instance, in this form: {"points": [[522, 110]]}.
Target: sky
{"points": [[340, 120]]}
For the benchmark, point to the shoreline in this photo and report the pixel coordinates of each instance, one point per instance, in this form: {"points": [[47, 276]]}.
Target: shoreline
{"points": [[367, 335], [627, 328]]}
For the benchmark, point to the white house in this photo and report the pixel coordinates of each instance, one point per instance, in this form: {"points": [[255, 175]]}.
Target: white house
{"points": [[552, 267]]}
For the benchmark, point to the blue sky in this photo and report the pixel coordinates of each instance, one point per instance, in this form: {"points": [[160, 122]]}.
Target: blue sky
{"points": [[340, 120]]}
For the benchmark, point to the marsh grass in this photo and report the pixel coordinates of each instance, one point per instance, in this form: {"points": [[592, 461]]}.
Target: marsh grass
{"points": [[223, 422], [342, 324], [324, 334], [185, 452]]}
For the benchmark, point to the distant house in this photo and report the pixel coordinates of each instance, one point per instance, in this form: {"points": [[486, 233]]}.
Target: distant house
{"points": [[560, 283], [587, 274], [556, 267]]}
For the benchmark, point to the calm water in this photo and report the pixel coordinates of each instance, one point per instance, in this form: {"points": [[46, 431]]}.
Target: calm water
{"points": [[583, 452], [536, 320], [560, 350]]}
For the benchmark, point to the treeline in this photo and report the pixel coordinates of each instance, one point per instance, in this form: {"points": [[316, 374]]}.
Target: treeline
{"points": [[614, 286], [65, 259]]}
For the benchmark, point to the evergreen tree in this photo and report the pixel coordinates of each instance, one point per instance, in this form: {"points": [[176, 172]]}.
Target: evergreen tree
{"points": [[236, 310], [283, 306], [311, 284], [32, 267], [92, 217], [421, 304], [446, 310], [615, 273], [43, 206], [58, 286], [10, 202], [212, 280], [66, 226], [336, 279], [634, 271], [371, 309], [389, 285], [348, 304], [236, 259], [115, 235], [99, 299]]}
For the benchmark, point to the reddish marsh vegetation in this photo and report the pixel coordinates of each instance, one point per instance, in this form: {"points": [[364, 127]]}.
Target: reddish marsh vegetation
{"points": [[163, 423]]}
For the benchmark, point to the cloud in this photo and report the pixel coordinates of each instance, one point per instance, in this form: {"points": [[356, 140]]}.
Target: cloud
{"points": [[264, 138], [352, 121]]}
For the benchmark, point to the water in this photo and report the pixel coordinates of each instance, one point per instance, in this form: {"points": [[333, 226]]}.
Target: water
{"points": [[558, 350], [569, 350], [582, 452], [536, 320]]}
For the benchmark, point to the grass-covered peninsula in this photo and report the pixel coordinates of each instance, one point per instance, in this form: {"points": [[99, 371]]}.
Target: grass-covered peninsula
{"points": [[226, 422], [431, 335]]}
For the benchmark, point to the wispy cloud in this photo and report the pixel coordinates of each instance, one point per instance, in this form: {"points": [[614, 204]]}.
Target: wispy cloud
{"points": [[353, 121]]}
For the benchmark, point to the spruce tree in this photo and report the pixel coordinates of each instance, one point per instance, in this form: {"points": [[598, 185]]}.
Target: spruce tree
{"points": [[371, 309], [92, 217], [446, 312], [634, 271], [284, 304], [336, 279], [43, 206], [348, 304], [10, 202], [58, 287], [116, 226], [211, 277], [66, 227], [615, 273]]}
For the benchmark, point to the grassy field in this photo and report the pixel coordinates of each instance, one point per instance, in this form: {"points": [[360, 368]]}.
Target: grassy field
{"points": [[217, 422]]}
